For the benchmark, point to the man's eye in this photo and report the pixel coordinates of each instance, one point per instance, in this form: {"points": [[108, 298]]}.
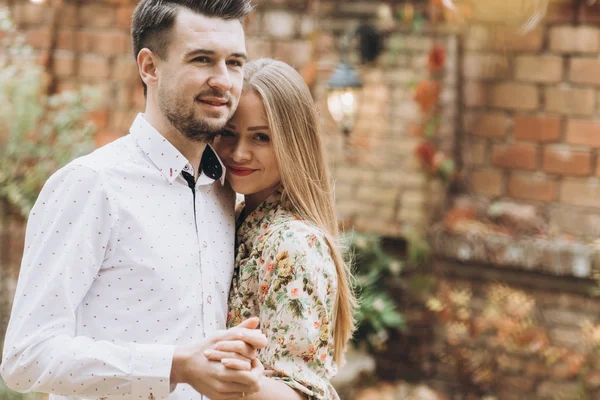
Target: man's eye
{"points": [[236, 63], [202, 59]]}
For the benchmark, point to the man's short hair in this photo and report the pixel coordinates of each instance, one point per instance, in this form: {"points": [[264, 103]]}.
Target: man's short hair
{"points": [[154, 19]]}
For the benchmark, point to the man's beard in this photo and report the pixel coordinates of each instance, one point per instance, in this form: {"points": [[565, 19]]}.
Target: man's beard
{"points": [[182, 117]]}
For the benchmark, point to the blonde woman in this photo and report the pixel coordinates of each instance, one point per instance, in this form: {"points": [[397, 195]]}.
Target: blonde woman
{"points": [[289, 271]]}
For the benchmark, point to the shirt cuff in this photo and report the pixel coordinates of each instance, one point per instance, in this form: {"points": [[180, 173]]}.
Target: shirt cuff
{"points": [[151, 371]]}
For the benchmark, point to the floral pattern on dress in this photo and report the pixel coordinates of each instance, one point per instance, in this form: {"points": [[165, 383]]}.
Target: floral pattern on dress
{"points": [[284, 274]]}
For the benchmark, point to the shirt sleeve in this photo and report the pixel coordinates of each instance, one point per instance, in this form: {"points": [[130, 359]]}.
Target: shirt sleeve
{"points": [[68, 233], [297, 290]]}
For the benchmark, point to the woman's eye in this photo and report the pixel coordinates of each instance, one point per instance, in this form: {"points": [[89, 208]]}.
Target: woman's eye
{"points": [[261, 137], [226, 133]]}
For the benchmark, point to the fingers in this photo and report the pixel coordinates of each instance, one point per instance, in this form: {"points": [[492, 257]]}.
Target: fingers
{"points": [[252, 337], [250, 379], [236, 346], [250, 323], [237, 364], [215, 355]]}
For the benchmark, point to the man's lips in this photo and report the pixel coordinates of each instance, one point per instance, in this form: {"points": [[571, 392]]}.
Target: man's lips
{"points": [[214, 101], [240, 171]]}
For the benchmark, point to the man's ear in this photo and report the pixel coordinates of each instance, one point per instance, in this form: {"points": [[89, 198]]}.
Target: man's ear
{"points": [[147, 65]]}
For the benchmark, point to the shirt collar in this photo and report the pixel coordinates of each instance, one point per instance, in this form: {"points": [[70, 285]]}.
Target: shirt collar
{"points": [[169, 161]]}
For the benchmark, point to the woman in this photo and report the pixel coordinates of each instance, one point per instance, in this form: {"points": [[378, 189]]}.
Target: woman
{"points": [[289, 268]]}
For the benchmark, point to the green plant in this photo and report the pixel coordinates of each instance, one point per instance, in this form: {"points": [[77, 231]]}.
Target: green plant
{"points": [[39, 133], [374, 271], [482, 344]]}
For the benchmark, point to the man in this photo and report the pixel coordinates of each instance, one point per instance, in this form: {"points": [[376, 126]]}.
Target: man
{"points": [[129, 250]]}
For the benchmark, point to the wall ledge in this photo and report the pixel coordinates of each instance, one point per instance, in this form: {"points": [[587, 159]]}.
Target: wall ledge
{"points": [[550, 256]]}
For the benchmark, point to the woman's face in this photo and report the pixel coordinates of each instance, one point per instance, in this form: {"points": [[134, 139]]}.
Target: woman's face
{"points": [[246, 149]]}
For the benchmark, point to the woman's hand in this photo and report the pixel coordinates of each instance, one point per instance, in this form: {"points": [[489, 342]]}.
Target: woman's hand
{"points": [[235, 354]]}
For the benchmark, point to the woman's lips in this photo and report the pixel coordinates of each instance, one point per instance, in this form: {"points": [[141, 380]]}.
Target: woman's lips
{"points": [[240, 171]]}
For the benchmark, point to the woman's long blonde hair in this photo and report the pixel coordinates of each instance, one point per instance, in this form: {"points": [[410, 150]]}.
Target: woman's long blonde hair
{"points": [[293, 120]]}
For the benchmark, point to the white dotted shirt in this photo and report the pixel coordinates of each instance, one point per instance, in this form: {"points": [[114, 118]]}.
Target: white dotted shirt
{"points": [[115, 272]]}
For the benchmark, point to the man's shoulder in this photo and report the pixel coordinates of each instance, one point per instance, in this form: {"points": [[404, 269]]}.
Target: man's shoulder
{"points": [[107, 157]]}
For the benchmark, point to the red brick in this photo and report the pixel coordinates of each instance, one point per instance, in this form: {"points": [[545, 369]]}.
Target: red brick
{"points": [[583, 132], [477, 37], [514, 96], [580, 192], [566, 161], [491, 124], [124, 97], [476, 152], [510, 39], [39, 38], [64, 63], [574, 39], [123, 15], [297, 53], [539, 129], [97, 15], [106, 42], [475, 94], [570, 101], [589, 13], [528, 186], [515, 155], [125, 69], [487, 182], [560, 11], [28, 13], [65, 40], [542, 69], [94, 67], [585, 71], [485, 66], [104, 137], [100, 118]]}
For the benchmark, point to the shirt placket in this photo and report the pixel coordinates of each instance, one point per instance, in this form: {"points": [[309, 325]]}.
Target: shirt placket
{"points": [[206, 267]]}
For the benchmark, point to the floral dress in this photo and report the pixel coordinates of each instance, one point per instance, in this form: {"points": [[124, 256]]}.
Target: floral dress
{"points": [[284, 274]]}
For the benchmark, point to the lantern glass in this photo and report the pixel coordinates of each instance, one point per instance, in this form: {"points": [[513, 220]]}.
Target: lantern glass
{"points": [[343, 106]]}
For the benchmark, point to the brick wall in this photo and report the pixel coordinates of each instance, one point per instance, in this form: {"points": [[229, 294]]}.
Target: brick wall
{"points": [[528, 133], [380, 186], [530, 117]]}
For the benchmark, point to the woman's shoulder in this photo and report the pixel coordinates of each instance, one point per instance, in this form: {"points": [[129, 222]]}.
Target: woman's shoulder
{"points": [[296, 235]]}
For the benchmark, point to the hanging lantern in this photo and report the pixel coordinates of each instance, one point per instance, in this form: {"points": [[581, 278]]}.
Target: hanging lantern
{"points": [[343, 96]]}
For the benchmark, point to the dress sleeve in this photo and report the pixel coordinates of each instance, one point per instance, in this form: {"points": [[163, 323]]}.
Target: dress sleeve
{"points": [[297, 290]]}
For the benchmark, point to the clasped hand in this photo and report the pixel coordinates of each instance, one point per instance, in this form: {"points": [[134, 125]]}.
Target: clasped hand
{"points": [[225, 366]]}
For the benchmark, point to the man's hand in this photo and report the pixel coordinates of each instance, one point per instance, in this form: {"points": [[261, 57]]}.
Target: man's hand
{"points": [[231, 377]]}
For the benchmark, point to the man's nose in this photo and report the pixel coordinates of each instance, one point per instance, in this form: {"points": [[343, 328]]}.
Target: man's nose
{"points": [[220, 78]]}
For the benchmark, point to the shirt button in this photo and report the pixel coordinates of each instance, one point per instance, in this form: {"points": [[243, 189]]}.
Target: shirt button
{"points": [[209, 300], [204, 244]]}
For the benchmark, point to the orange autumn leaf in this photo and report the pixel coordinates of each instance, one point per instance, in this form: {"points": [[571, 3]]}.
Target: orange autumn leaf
{"points": [[457, 215], [309, 73], [436, 59], [427, 95], [425, 152], [416, 130]]}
